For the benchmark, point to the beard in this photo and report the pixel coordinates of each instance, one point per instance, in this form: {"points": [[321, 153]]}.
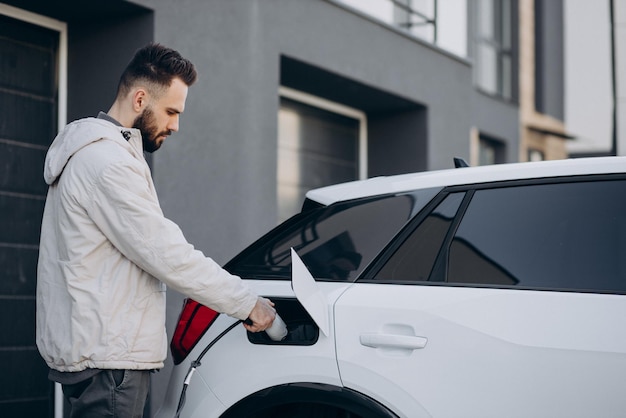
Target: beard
{"points": [[150, 134]]}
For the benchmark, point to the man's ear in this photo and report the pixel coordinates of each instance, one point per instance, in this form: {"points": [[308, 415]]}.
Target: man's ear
{"points": [[139, 99]]}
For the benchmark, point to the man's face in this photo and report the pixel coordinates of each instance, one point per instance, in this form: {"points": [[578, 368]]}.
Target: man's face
{"points": [[160, 117]]}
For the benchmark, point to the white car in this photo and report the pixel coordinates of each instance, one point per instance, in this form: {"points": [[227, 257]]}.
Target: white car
{"points": [[495, 291]]}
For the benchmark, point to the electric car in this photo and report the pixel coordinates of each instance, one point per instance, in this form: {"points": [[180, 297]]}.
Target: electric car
{"points": [[494, 291]]}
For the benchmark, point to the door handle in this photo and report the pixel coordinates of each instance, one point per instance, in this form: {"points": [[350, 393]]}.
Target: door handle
{"points": [[406, 342]]}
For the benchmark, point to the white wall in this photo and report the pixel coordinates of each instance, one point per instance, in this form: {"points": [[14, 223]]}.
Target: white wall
{"points": [[588, 85]]}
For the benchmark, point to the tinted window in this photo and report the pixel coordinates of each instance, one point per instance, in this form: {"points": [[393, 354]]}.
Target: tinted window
{"points": [[559, 236], [334, 242], [415, 258]]}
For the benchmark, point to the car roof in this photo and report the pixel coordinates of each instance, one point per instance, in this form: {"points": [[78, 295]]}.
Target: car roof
{"points": [[467, 175]]}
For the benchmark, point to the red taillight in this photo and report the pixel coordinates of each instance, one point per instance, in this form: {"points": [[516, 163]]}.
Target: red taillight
{"points": [[195, 319]]}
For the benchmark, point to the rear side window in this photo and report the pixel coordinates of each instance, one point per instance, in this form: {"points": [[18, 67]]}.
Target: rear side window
{"points": [[564, 236], [560, 236], [414, 260], [334, 242]]}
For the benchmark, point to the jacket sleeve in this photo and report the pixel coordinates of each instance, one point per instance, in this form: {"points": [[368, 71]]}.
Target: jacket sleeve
{"points": [[125, 208]]}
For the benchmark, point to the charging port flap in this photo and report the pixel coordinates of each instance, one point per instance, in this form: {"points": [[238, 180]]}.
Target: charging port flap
{"points": [[308, 293]]}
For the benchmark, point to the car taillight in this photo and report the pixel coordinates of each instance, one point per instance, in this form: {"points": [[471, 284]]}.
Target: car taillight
{"points": [[195, 319]]}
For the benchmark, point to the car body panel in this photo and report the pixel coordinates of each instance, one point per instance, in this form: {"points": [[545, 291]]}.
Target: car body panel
{"points": [[524, 353], [235, 368]]}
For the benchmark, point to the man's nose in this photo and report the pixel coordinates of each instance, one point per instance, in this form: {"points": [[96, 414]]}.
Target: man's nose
{"points": [[173, 124]]}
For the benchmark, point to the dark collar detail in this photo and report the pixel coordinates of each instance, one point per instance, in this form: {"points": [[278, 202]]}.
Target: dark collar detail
{"points": [[108, 118]]}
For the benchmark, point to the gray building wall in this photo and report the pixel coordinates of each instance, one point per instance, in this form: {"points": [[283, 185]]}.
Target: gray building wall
{"points": [[498, 119]]}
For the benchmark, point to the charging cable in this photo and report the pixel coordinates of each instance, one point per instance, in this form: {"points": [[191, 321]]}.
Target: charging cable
{"points": [[195, 364], [277, 332]]}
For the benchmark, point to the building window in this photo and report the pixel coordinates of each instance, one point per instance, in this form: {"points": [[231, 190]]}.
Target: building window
{"points": [[493, 50], [490, 151], [535, 155], [319, 143], [443, 23], [417, 16], [549, 58]]}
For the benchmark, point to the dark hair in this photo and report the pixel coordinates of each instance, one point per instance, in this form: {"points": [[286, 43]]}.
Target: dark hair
{"points": [[158, 66]]}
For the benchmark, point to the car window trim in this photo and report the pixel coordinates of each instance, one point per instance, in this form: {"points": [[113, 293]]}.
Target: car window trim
{"points": [[492, 286], [439, 272]]}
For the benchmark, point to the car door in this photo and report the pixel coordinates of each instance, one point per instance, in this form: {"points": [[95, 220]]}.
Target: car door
{"points": [[504, 300]]}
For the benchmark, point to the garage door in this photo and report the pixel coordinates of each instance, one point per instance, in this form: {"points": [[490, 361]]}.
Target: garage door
{"points": [[319, 143], [28, 122]]}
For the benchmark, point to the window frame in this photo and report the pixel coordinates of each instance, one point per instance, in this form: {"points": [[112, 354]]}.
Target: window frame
{"points": [[498, 147], [495, 44]]}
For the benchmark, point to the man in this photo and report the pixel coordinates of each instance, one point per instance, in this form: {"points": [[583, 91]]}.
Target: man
{"points": [[107, 251]]}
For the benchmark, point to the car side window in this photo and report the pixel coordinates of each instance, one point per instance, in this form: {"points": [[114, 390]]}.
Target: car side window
{"points": [[415, 258], [569, 236]]}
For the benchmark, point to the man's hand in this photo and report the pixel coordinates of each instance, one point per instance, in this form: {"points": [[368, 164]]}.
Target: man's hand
{"points": [[262, 315]]}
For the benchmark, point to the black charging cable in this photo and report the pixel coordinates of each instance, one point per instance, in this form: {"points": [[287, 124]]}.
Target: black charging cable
{"points": [[196, 363]]}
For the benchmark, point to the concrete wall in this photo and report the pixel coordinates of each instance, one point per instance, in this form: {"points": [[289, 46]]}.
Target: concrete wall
{"points": [[497, 119], [588, 86], [98, 53]]}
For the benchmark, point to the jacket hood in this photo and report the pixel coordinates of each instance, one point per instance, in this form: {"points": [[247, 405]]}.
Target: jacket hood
{"points": [[74, 137]]}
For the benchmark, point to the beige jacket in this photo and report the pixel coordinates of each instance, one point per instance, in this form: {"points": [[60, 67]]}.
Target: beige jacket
{"points": [[107, 252]]}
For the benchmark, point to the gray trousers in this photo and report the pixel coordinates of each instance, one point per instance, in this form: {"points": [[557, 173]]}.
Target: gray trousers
{"points": [[110, 393]]}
